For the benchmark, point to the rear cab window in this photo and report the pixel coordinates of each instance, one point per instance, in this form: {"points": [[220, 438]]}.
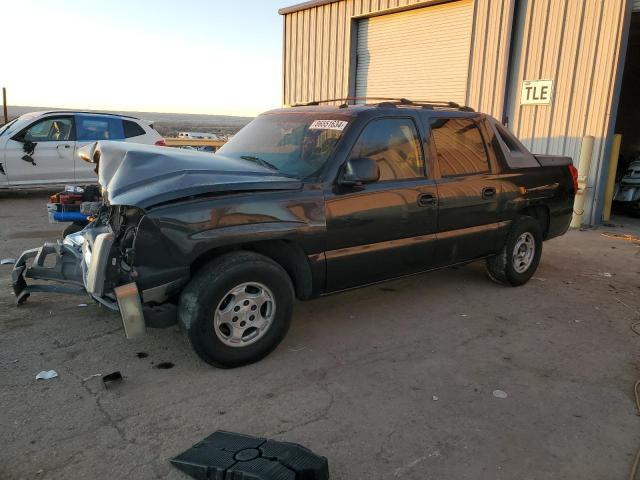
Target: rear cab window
{"points": [[459, 146], [89, 127]]}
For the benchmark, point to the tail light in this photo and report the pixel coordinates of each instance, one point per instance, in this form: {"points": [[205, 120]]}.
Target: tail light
{"points": [[161, 143], [574, 176]]}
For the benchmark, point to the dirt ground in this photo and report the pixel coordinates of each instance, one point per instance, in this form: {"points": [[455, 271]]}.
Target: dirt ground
{"points": [[390, 381]]}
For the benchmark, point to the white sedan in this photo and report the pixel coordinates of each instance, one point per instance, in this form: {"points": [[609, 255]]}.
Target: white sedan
{"points": [[41, 148]]}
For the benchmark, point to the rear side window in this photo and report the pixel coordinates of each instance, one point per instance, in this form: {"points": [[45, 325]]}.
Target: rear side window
{"points": [[394, 144], [132, 129], [99, 128], [459, 145]]}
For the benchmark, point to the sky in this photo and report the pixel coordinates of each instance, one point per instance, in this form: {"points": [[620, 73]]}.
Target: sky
{"points": [[188, 56]]}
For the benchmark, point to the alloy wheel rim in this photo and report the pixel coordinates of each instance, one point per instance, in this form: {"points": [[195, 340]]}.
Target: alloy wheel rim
{"points": [[244, 314], [523, 252]]}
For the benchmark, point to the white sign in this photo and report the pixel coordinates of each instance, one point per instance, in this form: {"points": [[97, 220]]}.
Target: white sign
{"points": [[536, 92], [328, 125]]}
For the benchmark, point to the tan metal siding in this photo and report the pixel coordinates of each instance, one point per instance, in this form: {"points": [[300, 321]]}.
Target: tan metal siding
{"points": [[328, 58], [418, 54], [577, 45], [490, 56]]}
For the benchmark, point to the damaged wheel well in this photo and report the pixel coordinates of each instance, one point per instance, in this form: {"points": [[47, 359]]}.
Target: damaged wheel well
{"points": [[541, 214], [289, 255]]}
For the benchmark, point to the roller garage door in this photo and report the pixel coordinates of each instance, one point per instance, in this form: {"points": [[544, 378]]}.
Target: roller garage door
{"points": [[421, 54]]}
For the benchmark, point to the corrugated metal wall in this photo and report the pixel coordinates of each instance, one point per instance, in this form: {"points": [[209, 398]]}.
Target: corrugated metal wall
{"points": [[577, 44], [490, 56], [390, 65], [318, 50]]}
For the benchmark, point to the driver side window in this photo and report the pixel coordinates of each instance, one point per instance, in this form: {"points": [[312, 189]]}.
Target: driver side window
{"points": [[395, 146], [49, 130]]}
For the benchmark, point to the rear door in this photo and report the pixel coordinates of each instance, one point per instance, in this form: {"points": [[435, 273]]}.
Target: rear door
{"points": [[42, 153], [90, 129], [468, 217], [387, 228]]}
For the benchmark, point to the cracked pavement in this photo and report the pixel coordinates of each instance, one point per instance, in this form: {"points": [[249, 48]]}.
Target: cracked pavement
{"points": [[354, 380]]}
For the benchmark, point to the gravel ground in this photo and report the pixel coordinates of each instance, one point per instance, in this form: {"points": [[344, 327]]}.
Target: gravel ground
{"points": [[390, 381]]}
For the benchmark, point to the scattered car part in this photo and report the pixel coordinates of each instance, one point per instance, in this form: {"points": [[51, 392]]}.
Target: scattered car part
{"points": [[67, 269], [86, 379], [111, 378], [46, 375], [131, 310], [164, 365], [227, 455]]}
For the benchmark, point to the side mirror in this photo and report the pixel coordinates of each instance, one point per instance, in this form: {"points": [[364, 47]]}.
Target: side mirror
{"points": [[360, 171]]}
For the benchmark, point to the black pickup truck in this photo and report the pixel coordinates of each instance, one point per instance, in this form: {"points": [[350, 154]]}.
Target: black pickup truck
{"points": [[302, 202]]}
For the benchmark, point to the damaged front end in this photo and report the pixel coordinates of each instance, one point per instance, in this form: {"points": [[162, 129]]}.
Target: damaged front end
{"points": [[97, 261]]}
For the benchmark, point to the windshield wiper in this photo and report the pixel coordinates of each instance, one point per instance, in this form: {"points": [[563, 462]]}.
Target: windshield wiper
{"points": [[260, 161]]}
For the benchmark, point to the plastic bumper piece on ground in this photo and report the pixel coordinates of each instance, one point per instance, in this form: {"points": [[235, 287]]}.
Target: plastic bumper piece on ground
{"points": [[67, 269], [227, 455]]}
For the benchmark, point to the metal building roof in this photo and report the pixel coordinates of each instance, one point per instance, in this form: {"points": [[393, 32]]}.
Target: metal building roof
{"points": [[304, 5]]}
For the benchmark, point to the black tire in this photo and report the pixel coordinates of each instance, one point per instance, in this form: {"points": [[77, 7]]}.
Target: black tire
{"points": [[210, 286], [501, 268]]}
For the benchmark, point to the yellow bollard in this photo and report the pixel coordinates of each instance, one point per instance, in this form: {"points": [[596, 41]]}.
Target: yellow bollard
{"points": [[586, 152], [611, 179]]}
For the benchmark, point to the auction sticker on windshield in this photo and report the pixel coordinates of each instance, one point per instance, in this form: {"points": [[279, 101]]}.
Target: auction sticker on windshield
{"points": [[328, 125]]}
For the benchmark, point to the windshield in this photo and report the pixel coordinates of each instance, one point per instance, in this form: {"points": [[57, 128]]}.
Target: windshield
{"points": [[6, 127], [293, 144]]}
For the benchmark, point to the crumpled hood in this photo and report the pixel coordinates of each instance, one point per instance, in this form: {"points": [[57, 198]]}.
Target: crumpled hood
{"points": [[143, 175]]}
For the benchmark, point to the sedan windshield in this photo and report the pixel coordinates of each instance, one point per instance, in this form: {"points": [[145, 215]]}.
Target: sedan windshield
{"points": [[294, 144]]}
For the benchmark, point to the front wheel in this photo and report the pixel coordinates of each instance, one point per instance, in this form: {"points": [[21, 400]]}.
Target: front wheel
{"points": [[237, 309], [519, 258]]}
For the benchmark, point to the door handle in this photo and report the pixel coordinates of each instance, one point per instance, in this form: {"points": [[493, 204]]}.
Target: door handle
{"points": [[64, 146], [427, 199], [488, 192]]}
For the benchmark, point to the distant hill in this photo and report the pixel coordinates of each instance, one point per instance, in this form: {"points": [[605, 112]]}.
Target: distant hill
{"points": [[168, 124]]}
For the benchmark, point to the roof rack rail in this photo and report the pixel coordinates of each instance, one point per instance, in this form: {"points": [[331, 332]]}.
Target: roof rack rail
{"points": [[390, 102], [87, 112]]}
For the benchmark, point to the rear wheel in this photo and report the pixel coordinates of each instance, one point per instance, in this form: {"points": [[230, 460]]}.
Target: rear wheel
{"points": [[237, 309], [519, 258]]}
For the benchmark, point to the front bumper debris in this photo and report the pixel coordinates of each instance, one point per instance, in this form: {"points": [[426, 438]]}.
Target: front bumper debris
{"points": [[80, 266], [67, 269]]}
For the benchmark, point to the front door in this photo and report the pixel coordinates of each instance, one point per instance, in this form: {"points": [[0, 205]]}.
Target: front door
{"points": [[42, 153], [387, 228], [468, 217]]}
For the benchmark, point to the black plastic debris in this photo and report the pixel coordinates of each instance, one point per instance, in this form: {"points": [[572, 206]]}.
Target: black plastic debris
{"points": [[164, 365], [110, 379], [234, 456]]}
